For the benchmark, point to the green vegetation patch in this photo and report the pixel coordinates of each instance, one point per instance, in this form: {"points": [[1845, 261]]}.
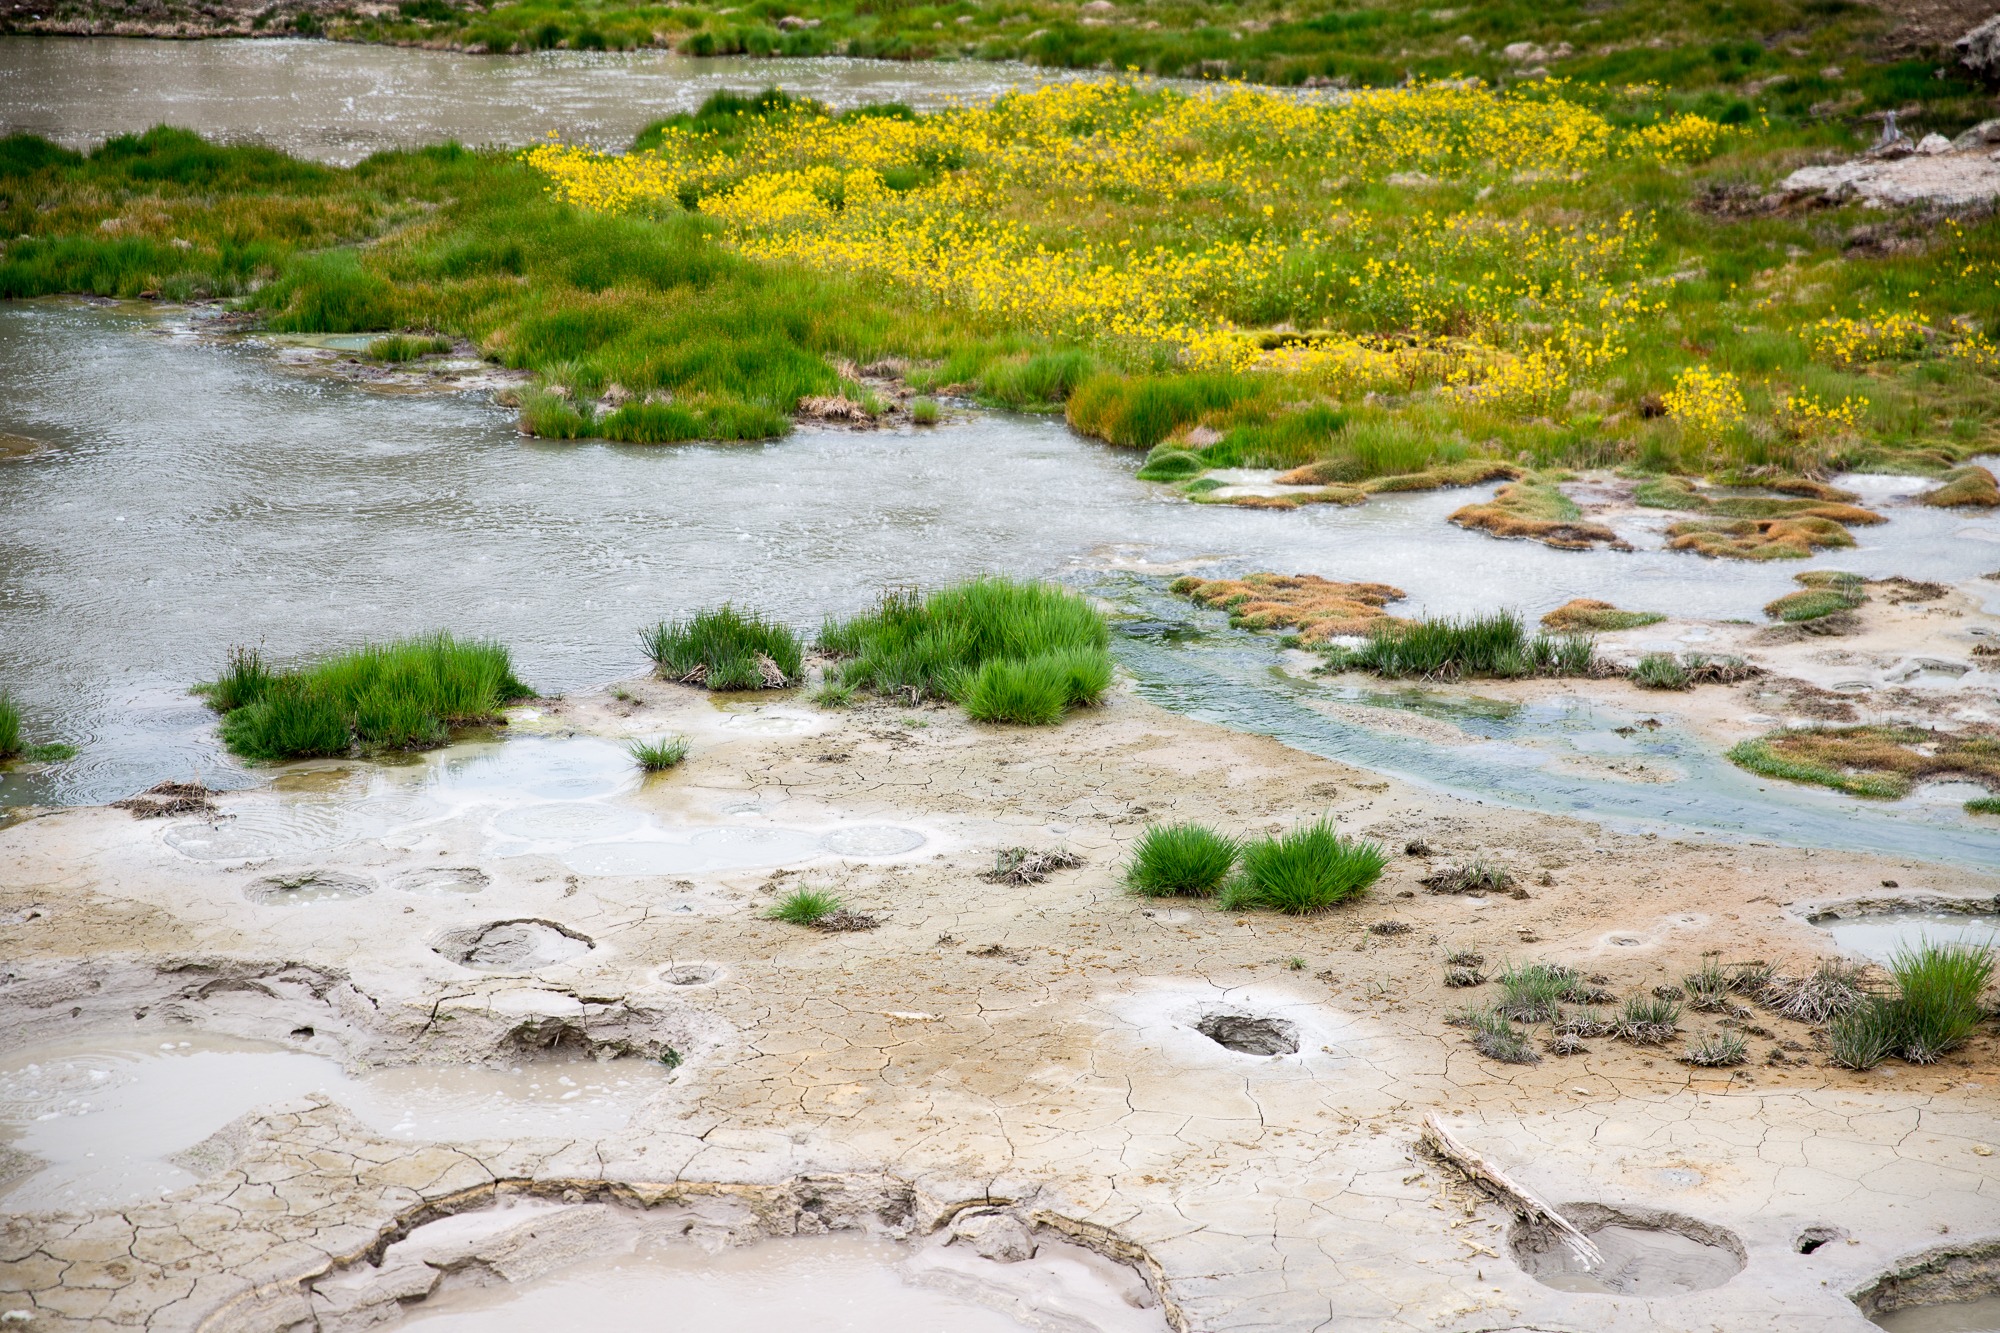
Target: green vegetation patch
{"points": [[1496, 645], [1879, 761], [1009, 651], [1304, 871], [402, 695], [1937, 1005], [1971, 487], [722, 648], [1181, 860], [661, 755]]}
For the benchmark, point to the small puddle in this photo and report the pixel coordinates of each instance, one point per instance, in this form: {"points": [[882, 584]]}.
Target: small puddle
{"points": [[107, 1116], [1978, 1316], [1880, 936]]}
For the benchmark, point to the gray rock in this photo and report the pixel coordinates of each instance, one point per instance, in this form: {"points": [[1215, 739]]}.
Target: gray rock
{"points": [[1985, 132], [1933, 144], [1979, 49], [1001, 1237]]}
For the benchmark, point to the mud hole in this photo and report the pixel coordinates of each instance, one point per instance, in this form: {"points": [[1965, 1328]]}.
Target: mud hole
{"points": [[514, 946], [1250, 1036], [1646, 1252]]}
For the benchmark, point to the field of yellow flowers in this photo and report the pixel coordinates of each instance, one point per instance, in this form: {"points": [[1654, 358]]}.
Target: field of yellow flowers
{"points": [[1474, 271]]}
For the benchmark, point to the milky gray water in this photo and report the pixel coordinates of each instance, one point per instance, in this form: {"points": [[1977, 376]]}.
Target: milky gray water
{"points": [[339, 102], [188, 495]]}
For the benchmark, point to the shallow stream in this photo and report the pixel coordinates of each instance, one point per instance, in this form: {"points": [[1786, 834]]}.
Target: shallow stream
{"points": [[189, 494]]}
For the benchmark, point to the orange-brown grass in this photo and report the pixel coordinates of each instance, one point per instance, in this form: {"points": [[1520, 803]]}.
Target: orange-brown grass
{"points": [[1965, 488], [1325, 495], [1810, 489], [1757, 538], [1537, 512], [1471, 472], [1586, 615], [1317, 608], [1880, 761]]}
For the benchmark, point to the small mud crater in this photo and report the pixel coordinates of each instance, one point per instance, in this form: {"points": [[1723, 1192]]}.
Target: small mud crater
{"points": [[315, 886], [690, 974], [872, 840], [1813, 1238], [442, 881], [514, 946], [1250, 1036], [1646, 1252]]}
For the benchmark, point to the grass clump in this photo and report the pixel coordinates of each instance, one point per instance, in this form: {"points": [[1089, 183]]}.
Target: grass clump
{"points": [[1972, 487], [402, 695], [659, 756], [1661, 671], [1826, 592], [1534, 992], [1937, 1005], [1009, 651], [1585, 615], [1181, 860], [924, 412], [10, 727], [1648, 1020], [1306, 870], [1877, 761], [1496, 1038], [1983, 805], [407, 347], [1449, 648], [833, 694], [1757, 539], [1716, 1050], [1537, 511], [1316, 607], [725, 649], [804, 907]]}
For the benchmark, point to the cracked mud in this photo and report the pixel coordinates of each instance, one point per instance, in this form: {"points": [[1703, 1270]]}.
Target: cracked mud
{"points": [[998, 1070]]}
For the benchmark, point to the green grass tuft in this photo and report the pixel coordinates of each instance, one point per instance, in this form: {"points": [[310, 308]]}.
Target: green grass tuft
{"points": [[924, 412], [405, 694], [1307, 870], [1448, 648], [804, 907], [659, 756], [1938, 1003], [1181, 860], [725, 649], [407, 347], [1008, 651], [1661, 671], [1983, 805], [10, 726]]}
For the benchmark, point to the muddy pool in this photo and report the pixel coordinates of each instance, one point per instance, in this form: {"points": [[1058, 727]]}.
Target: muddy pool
{"points": [[1980, 1316], [104, 1118], [189, 493]]}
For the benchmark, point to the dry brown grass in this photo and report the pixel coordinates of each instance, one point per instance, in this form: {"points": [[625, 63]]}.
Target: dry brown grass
{"points": [[1325, 495], [1586, 615], [1882, 761], [1537, 512], [1471, 472], [1757, 538], [1810, 489], [1965, 488], [1317, 608]]}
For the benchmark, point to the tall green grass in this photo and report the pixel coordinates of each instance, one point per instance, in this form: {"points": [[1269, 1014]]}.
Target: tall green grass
{"points": [[1009, 651], [726, 649], [1181, 860], [1937, 1005], [1490, 645], [1307, 870], [10, 726], [406, 694]]}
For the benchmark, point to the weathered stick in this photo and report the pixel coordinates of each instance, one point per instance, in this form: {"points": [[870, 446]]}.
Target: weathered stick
{"points": [[1495, 1182]]}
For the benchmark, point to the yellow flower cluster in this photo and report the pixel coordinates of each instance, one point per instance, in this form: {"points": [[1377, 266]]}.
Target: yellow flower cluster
{"points": [[1705, 403], [1852, 342], [1809, 418], [1168, 221]]}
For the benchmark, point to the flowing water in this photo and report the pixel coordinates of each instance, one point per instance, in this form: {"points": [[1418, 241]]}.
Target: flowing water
{"points": [[188, 494], [338, 102], [106, 1115]]}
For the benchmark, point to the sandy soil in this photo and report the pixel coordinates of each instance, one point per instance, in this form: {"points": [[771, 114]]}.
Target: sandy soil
{"points": [[1027, 1047]]}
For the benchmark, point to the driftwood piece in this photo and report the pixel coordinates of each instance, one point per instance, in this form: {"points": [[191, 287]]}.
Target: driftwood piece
{"points": [[1495, 1182]]}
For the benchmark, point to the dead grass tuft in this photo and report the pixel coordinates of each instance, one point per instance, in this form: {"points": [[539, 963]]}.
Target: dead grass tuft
{"points": [[1875, 760], [1586, 615], [1757, 539], [168, 798], [1023, 865], [1971, 487], [1537, 511], [1317, 608]]}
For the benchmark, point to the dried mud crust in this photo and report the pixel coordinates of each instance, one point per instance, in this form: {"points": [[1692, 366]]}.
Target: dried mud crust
{"points": [[1012, 1040]]}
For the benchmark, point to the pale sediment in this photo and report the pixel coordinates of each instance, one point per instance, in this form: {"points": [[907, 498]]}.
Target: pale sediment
{"points": [[1037, 1049]]}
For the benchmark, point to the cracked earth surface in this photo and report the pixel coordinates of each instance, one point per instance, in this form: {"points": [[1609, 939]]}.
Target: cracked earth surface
{"points": [[1027, 1044]]}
